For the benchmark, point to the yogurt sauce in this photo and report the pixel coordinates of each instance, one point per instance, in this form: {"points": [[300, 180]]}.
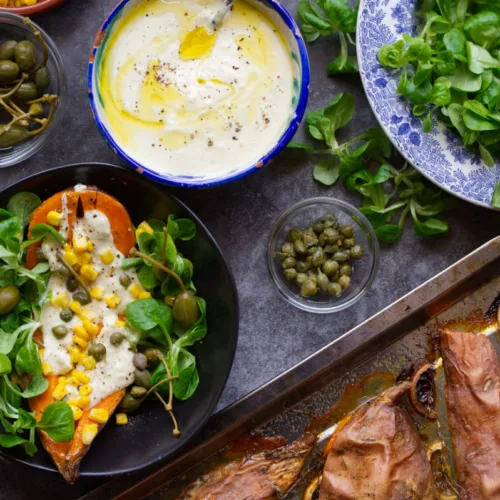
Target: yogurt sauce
{"points": [[203, 116], [116, 370]]}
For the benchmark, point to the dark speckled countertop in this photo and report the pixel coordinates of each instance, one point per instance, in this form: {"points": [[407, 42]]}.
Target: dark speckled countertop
{"points": [[273, 334]]}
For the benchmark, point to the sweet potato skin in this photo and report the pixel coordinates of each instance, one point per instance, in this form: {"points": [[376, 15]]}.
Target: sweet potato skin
{"points": [[473, 402], [377, 454]]}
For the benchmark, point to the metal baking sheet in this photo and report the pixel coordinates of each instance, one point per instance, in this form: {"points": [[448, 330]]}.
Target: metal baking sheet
{"points": [[285, 406]]}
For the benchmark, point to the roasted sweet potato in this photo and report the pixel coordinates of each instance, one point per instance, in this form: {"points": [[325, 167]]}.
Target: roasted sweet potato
{"points": [[377, 454], [67, 456], [473, 402]]}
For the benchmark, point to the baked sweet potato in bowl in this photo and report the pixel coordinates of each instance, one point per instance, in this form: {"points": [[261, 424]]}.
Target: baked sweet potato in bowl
{"points": [[126, 200]]}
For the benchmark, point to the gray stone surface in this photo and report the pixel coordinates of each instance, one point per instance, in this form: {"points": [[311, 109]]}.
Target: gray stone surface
{"points": [[273, 335]]}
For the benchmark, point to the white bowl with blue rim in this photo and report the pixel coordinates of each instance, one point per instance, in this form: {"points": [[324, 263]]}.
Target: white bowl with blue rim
{"points": [[301, 72], [439, 155]]}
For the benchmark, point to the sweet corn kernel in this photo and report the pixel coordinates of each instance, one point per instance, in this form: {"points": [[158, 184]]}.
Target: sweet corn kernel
{"points": [[89, 272], [143, 227], [135, 290], [113, 301], [83, 401], [107, 257], [80, 342], [87, 313], [90, 246], [41, 352], [80, 243], [62, 380], [74, 354], [144, 295], [97, 293], [89, 433], [89, 362], [85, 390], [75, 306], [84, 258], [99, 415], [91, 327], [77, 412], [59, 392], [120, 323], [121, 419], [82, 377], [47, 369], [79, 331], [67, 247], [54, 218], [60, 300], [71, 258]]}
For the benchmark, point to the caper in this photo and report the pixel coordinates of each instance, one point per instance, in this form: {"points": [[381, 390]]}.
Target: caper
{"points": [[26, 92], [335, 277], [330, 267], [347, 230], [294, 234], [10, 135], [311, 251], [63, 271], [142, 378], [331, 249], [7, 50], [288, 249], [348, 242], [290, 274], [169, 300], [345, 270], [66, 314], [301, 278], [140, 361], [186, 310], [138, 392], [153, 355], [340, 256], [116, 338], [329, 220], [42, 78], [318, 227], [9, 298], [82, 296], [331, 235], [97, 351], [334, 289], [309, 288], [303, 266], [40, 255], [322, 281], [25, 56], [322, 240], [124, 280], [312, 276], [60, 331], [309, 238], [71, 284], [289, 262], [319, 258], [36, 110], [357, 252], [129, 404], [9, 71], [300, 247], [344, 282]]}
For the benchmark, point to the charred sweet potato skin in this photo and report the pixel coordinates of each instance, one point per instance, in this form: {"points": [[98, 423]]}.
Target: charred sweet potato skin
{"points": [[377, 454], [472, 393]]}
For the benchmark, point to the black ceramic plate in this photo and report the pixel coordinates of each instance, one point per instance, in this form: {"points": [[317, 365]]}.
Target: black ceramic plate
{"points": [[148, 437]]}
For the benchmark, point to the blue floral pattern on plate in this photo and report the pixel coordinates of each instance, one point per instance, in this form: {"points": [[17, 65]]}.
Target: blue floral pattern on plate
{"points": [[439, 155]]}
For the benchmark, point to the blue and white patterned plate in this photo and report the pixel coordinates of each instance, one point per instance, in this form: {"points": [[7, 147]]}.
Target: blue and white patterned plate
{"points": [[439, 155]]}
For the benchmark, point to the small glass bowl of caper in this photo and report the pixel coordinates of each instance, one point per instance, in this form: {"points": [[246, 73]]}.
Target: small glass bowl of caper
{"points": [[22, 141], [322, 255]]}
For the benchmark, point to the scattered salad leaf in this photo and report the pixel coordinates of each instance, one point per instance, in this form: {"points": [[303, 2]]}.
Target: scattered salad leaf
{"points": [[57, 421], [22, 205]]}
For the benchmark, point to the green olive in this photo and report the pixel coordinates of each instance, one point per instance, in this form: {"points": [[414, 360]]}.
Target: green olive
{"points": [[289, 262], [330, 267], [12, 135], [348, 242], [290, 274], [294, 234], [26, 92], [97, 351], [72, 284], [357, 252], [82, 296], [334, 289], [60, 331], [309, 238], [7, 50], [66, 314], [319, 258], [345, 270], [129, 404], [40, 255], [340, 256], [138, 392], [42, 78], [344, 282], [125, 280], [9, 298], [301, 278], [142, 378], [322, 281], [116, 338], [186, 310], [36, 110], [9, 72], [153, 355], [347, 230], [331, 235], [309, 288], [303, 266], [25, 56]]}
